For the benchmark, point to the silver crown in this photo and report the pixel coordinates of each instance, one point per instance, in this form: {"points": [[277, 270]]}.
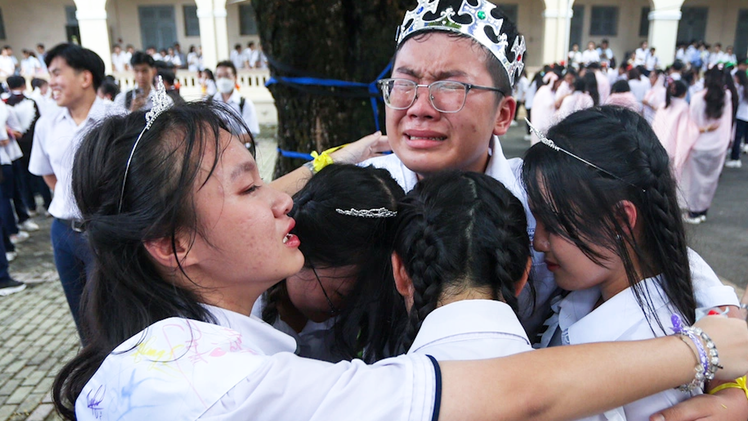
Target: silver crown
{"points": [[368, 213], [481, 20], [161, 103]]}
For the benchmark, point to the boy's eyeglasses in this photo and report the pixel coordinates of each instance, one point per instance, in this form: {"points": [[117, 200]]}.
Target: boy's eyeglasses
{"points": [[446, 96]]}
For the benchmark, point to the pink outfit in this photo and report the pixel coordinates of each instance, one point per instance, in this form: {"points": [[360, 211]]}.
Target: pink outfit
{"points": [[707, 156], [676, 131], [572, 103], [543, 109], [626, 100], [603, 86], [655, 97]]}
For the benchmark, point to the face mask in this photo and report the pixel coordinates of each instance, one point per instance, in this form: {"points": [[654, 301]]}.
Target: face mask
{"points": [[225, 85]]}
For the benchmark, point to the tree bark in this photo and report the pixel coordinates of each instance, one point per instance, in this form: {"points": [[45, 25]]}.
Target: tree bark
{"points": [[348, 40]]}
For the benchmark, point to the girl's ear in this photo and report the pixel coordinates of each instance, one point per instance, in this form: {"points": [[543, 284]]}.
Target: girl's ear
{"points": [[523, 281], [631, 213], [162, 251], [403, 283]]}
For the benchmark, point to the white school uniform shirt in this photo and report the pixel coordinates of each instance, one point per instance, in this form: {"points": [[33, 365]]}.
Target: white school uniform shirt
{"points": [[242, 368], [119, 61], [508, 172], [742, 104], [248, 114], [590, 56], [56, 138], [315, 341], [11, 151], [576, 321], [471, 330]]}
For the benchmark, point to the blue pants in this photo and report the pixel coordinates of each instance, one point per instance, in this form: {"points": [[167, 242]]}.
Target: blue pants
{"points": [[30, 184], [74, 261], [741, 136], [4, 275]]}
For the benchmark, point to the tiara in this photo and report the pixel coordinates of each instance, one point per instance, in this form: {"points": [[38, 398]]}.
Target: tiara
{"points": [[480, 23], [551, 144], [368, 213], [161, 102]]}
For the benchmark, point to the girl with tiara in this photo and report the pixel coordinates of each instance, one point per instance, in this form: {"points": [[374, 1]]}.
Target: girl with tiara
{"points": [[462, 254], [608, 222], [342, 303], [186, 237]]}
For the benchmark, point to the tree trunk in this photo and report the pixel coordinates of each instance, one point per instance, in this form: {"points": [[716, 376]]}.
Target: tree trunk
{"points": [[347, 40]]}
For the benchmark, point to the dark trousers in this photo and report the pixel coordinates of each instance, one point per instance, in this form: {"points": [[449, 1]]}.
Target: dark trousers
{"points": [[529, 117], [741, 136], [29, 185], [4, 275], [74, 261]]}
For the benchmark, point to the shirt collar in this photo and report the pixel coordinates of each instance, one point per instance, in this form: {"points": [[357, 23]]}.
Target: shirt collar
{"points": [[97, 111], [260, 334], [581, 323], [235, 97], [466, 317]]}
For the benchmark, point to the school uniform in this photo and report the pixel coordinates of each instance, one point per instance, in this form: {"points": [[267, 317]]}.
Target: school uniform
{"points": [[620, 318], [56, 138], [471, 330], [315, 341], [572, 103], [242, 368], [244, 107], [123, 100], [508, 172]]}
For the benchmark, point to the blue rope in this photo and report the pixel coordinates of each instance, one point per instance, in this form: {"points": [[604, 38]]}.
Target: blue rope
{"points": [[371, 87]]}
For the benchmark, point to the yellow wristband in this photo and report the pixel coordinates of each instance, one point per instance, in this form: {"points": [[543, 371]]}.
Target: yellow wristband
{"points": [[323, 159], [739, 383]]}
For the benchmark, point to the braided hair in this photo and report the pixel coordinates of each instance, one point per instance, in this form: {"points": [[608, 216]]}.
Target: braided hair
{"points": [[582, 204], [331, 239], [456, 231]]}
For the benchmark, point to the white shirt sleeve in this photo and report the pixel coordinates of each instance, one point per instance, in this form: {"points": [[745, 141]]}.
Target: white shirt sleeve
{"points": [[708, 289], [39, 163], [292, 388], [249, 114]]}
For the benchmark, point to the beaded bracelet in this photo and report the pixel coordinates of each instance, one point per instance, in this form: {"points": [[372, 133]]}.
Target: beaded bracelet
{"points": [[706, 354]]}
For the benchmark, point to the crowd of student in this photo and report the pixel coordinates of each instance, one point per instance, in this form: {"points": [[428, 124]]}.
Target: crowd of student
{"points": [[700, 117], [208, 290]]}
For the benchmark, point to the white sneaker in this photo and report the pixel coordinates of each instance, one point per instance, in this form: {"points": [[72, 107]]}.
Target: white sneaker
{"points": [[29, 225], [696, 220], [11, 256], [745, 148], [513, 123], [20, 237], [528, 137]]}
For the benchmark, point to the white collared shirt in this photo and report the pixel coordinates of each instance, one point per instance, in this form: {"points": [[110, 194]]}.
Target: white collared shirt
{"points": [[56, 138], [471, 330], [576, 321], [180, 369], [509, 173], [248, 114]]}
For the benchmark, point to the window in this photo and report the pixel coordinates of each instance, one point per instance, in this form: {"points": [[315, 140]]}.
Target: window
{"points": [[70, 18], [510, 11], [247, 22], [191, 22], [644, 22], [2, 26], [604, 20]]}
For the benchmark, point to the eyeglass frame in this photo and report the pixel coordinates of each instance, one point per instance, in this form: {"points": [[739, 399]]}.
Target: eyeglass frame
{"points": [[468, 87], [334, 310]]}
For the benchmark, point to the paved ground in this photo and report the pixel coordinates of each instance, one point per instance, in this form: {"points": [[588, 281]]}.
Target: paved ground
{"points": [[37, 334]]}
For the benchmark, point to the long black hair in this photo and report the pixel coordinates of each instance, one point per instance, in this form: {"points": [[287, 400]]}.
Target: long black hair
{"points": [[582, 204], [459, 230], [332, 239], [126, 293], [677, 89], [590, 82], [714, 84]]}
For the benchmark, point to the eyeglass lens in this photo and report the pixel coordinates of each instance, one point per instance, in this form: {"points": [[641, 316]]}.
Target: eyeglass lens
{"points": [[445, 96]]}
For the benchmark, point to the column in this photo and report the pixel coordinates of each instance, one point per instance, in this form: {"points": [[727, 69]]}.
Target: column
{"points": [[557, 24], [91, 15], [222, 32], [207, 32], [663, 32]]}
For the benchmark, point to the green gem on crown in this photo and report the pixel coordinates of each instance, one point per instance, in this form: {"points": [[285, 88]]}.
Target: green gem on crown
{"points": [[481, 15]]}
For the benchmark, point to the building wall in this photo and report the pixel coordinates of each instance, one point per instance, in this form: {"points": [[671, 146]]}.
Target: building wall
{"points": [[722, 19], [124, 23], [530, 24], [627, 37], [232, 23], [30, 22]]}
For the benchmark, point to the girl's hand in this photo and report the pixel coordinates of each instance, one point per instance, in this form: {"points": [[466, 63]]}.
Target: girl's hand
{"points": [[726, 405], [367, 147]]}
